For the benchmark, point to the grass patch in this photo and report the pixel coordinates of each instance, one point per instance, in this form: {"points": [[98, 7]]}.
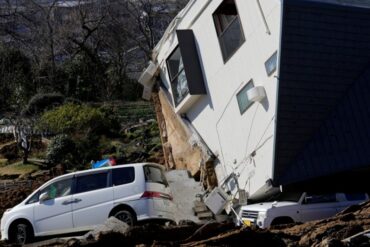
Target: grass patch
{"points": [[18, 169], [3, 162]]}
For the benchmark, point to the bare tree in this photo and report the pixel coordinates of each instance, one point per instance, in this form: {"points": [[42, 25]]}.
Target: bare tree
{"points": [[23, 130]]}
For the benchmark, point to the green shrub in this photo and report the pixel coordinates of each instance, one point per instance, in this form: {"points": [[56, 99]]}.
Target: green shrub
{"points": [[61, 150], [75, 119], [41, 102]]}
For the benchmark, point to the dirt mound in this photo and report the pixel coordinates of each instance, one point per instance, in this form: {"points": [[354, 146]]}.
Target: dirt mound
{"points": [[329, 232], [16, 194]]}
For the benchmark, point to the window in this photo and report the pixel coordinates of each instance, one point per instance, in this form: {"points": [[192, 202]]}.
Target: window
{"points": [[286, 196], [242, 97], [58, 189], [91, 182], [271, 64], [34, 198], [154, 175], [123, 176], [311, 199], [177, 74], [228, 27], [355, 196]]}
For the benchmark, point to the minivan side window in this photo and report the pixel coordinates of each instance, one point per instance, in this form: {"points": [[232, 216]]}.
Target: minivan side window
{"points": [[154, 175], [124, 175], [55, 190], [34, 198], [91, 182]]}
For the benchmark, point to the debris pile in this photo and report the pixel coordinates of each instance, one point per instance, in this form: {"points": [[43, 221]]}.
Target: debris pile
{"points": [[335, 231], [332, 231]]}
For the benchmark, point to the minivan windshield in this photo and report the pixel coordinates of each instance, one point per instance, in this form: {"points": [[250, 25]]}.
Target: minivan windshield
{"points": [[154, 175]]}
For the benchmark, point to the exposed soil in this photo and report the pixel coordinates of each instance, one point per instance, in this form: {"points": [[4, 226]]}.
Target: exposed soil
{"points": [[329, 232], [16, 194]]}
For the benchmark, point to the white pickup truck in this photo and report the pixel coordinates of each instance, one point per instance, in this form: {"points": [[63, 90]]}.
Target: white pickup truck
{"points": [[298, 207]]}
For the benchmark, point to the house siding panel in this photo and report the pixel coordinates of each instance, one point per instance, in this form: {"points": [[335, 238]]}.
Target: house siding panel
{"points": [[322, 121]]}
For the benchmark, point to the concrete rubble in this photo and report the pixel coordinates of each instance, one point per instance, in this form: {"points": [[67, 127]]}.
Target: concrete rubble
{"points": [[349, 228], [335, 231], [184, 189]]}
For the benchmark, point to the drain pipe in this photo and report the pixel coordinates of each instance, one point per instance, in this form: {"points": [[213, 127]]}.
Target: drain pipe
{"points": [[263, 17]]}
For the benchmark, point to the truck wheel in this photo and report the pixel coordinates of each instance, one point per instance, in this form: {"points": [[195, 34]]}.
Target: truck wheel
{"points": [[125, 216], [282, 221]]}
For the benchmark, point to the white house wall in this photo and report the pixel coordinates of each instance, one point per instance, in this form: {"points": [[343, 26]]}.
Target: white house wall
{"points": [[216, 117]]}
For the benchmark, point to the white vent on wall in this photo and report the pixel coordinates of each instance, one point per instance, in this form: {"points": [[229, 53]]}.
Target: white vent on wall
{"points": [[147, 93], [147, 77], [256, 94]]}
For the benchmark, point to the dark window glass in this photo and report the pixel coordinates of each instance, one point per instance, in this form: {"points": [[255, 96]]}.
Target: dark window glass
{"points": [[286, 196], [58, 189], [154, 175], [271, 64], [178, 79], [311, 199], [34, 198], [355, 196], [123, 175], [91, 182], [243, 101], [229, 29]]}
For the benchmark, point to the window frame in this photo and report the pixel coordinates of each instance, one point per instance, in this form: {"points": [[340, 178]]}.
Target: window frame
{"points": [[320, 198], [38, 192], [239, 92], [176, 76], [111, 184], [108, 181], [217, 23], [163, 177]]}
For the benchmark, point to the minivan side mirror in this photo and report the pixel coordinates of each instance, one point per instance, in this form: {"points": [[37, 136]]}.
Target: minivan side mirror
{"points": [[44, 197]]}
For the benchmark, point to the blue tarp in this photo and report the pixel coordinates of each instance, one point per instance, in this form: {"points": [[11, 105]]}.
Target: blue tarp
{"points": [[101, 163]]}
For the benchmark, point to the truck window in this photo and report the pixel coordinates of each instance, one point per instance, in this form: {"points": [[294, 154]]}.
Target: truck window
{"points": [[91, 182], [355, 196], [124, 175], [154, 175], [311, 198], [286, 197]]}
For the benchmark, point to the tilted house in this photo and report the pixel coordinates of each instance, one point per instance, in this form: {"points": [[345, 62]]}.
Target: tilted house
{"points": [[269, 93]]}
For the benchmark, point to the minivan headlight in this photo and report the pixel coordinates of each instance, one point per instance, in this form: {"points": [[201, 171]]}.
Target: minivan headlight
{"points": [[8, 210]]}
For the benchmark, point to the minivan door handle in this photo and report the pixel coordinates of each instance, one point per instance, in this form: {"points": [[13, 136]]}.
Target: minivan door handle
{"points": [[67, 202], [77, 200]]}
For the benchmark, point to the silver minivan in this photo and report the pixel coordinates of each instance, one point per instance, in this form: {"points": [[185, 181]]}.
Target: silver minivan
{"points": [[80, 201]]}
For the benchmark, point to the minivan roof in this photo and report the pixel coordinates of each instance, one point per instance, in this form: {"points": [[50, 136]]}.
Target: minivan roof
{"points": [[105, 168]]}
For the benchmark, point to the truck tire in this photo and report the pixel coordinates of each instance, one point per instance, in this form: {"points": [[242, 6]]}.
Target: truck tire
{"points": [[282, 221]]}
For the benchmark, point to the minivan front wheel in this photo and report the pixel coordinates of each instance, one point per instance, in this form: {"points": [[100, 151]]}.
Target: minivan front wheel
{"points": [[125, 216], [21, 233]]}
